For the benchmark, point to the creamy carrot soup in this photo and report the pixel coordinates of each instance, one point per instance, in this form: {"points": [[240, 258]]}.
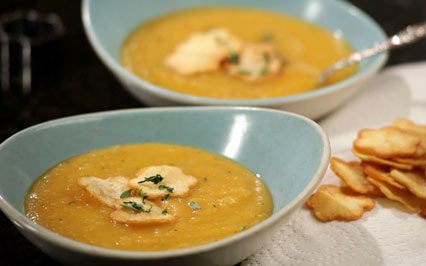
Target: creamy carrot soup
{"points": [[221, 198], [305, 50]]}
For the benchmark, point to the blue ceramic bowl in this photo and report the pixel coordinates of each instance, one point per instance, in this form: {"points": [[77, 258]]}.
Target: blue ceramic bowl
{"points": [[290, 152], [109, 22]]}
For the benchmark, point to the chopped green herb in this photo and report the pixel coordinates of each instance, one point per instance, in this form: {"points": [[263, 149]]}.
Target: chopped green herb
{"points": [[194, 205], [143, 195], [267, 37], [234, 58], [170, 189], [164, 211], [243, 228], [206, 179], [266, 57], [126, 194], [155, 179], [135, 206], [167, 196], [244, 72]]}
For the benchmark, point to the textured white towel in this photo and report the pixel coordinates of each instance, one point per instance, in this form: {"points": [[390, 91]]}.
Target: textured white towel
{"points": [[386, 235]]}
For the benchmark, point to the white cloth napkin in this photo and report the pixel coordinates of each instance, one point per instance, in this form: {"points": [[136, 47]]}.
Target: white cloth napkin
{"points": [[386, 235]]}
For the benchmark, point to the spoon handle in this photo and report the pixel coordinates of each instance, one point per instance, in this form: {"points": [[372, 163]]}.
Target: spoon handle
{"points": [[408, 35]]}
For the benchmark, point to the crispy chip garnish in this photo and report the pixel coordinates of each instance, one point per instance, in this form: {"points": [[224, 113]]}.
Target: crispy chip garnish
{"points": [[174, 182], [107, 190], [135, 210], [408, 125], [381, 173], [411, 202], [203, 52], [377, 160], [331, 202], [386, 143], [352, 174], [418, 130], [414, 180], [416, 161]]}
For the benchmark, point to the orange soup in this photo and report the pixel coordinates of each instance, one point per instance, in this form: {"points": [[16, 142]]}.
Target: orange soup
{"points": [[226, 199], [307, 49]]}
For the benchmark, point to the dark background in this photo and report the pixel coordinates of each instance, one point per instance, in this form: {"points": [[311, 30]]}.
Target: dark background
{"points": [[69, 79]]}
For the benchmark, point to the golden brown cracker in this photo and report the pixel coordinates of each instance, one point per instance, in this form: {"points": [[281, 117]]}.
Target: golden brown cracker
{"points": [[411, 202], [414, 180], [377, 160], [332, 202], [386, 143], [174, 182], [353, 175], [106, 190]]}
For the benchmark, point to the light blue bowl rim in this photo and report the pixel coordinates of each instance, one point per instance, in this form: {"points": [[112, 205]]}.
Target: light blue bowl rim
{"points": [[113, 65], [22, 222]]}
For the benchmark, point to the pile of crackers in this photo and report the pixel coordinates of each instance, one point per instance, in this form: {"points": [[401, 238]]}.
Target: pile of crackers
{"points": [[392, 164]]}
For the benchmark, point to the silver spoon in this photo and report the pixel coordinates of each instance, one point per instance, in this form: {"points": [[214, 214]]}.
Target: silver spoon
{"points": [[408, 35]]}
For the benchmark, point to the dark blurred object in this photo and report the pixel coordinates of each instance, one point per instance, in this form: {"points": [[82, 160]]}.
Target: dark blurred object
{"points": [[80, 83], [394, 15], [25, 35]]}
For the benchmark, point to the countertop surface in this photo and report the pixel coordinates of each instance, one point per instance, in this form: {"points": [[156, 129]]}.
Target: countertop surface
{"points": [[69, 79]]}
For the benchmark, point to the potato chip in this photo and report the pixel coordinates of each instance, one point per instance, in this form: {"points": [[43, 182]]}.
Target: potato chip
{"points": [[386, 143], [352, 174], [377, 160], [417, 161], [408, 125], [418, 130], [332, 202], [411, 202], [135, 210], [171, 181], [381, 173], [203, 52], [414, 180], [106, 190]]}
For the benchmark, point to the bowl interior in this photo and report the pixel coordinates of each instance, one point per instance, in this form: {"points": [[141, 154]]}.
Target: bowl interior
{"points": [[285, 149], [109, 22]]}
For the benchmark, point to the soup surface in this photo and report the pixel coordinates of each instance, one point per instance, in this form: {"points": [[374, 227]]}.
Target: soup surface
{"points": [[227, 199], [307, 49]]}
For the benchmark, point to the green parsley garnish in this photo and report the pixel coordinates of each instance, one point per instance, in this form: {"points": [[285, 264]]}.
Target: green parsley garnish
{"points": [[170, 189], [164, 211], [143, 195], [155, 179], [135, 206], [126, 194], [266, 57], [234, 58], [194, 205]]}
